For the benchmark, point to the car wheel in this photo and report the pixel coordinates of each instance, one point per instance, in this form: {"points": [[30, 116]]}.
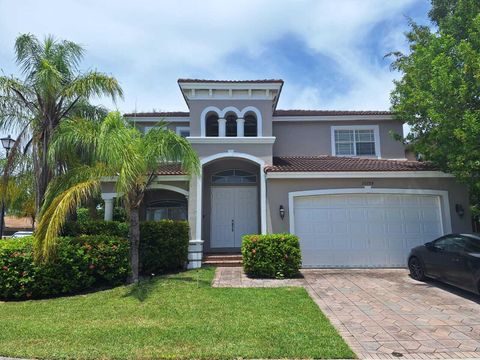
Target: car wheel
{"points": [[416, 269]]}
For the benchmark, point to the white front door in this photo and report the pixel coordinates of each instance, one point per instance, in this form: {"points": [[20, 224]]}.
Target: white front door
{"points": [[364, 230], [234, 214]]}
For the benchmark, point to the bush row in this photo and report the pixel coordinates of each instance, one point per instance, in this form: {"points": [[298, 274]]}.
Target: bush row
{"points": [[80, 263], [96, 253], [271, 256], [163, 244], [95, 227]]}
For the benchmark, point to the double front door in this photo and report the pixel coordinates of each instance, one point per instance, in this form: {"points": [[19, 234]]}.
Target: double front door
{"points": [[234, 214]]}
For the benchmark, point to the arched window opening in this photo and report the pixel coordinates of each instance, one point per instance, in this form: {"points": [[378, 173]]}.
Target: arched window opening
{"points": [[167, 210], [250, 125], [234, 176], [212, 125], [231, 129]]}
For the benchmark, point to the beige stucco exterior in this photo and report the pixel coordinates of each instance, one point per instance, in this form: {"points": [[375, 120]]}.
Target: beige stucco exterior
{"points": [[279, 136], [303, 138]]}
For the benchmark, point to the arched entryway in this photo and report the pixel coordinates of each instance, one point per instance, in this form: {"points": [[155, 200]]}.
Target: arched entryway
{"points": [[164, 203], [231, 202]]}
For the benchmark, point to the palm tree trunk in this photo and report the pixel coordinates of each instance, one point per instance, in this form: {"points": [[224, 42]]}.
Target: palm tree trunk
{"points": [[134, 243]]}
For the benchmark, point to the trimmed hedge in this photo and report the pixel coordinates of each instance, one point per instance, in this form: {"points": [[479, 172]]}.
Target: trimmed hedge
{"points": [[80, 263], [95, 227], [271, 256], [163, 246]]}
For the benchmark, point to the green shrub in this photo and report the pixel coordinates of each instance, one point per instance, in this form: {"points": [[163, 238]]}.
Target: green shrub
{"points": [[83, 214], [163, 246], [271, 256], [79, 264], [95, 227]]}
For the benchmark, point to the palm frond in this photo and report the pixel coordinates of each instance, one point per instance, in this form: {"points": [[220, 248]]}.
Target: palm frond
{"points": [[93, 84], [27, 50], [54, 216], [165, 146]]}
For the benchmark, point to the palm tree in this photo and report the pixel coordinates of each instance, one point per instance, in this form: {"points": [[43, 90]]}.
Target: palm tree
{"points": [[52, 89], [108, 148]]}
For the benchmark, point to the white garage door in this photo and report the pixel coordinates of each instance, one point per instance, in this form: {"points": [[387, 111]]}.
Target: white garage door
{"points": [[364, 230]]}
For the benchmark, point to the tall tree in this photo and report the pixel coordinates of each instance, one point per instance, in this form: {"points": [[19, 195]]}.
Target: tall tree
{"points": [[52, 89], [111, 148], [439, 92]]}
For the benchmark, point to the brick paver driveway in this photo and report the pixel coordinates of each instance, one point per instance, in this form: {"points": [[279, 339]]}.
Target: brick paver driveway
{"points": [[381, 312]]}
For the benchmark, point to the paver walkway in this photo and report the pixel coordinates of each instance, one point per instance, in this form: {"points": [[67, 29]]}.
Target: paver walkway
{"points": [[384, 314]]}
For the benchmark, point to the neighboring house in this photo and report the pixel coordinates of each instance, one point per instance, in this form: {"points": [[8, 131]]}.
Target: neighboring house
{"points": [[14, 224], [337, 179]]}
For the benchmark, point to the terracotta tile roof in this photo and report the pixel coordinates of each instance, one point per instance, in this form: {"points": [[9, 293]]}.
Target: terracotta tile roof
{"points": [[159, 114], [261, 81], [328, 112], [333, 163], [170, 169]]}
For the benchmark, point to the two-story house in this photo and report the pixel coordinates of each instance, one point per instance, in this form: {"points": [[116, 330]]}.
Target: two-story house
{"points": [[337, 179]]}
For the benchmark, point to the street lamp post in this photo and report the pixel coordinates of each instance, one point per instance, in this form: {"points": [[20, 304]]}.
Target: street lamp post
{"points": [[7, 144]]}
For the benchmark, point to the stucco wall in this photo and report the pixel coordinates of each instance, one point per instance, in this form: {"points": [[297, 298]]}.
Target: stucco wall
{"points": [[262, 151], [278, 189], [314, 137]]}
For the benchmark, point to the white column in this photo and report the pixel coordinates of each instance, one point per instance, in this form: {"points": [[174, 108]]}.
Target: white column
{"points": [[222, 127], [240, 127], [108, 209], [108, 198], [263, 200], [195, 245]]}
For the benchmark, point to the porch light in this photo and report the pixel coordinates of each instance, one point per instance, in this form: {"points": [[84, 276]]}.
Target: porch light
{"points": [[282, 212], [459, 210]]}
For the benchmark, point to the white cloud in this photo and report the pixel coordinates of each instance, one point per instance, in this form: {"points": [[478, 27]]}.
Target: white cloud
{"points": [[148, 44]]}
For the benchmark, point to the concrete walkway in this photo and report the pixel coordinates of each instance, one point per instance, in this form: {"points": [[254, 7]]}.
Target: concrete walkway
{"points": [[384, 314]]}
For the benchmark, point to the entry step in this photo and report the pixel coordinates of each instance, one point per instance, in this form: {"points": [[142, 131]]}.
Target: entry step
{"points": [[230, 260]]}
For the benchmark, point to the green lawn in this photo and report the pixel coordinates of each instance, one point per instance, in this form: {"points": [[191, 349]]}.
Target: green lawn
{"points": [[178, 316]]}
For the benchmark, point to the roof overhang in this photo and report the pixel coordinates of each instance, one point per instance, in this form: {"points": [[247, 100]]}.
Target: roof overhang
{"points": [[356, 174], [231, 90]]}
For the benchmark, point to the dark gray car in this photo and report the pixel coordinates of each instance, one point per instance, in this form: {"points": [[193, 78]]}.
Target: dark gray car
{"points": [[453, 259]]}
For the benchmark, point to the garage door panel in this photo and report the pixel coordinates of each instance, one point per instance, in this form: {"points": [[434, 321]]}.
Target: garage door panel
{"points": [[364, 230], [429, 215], [410, 213], [375, 213]]}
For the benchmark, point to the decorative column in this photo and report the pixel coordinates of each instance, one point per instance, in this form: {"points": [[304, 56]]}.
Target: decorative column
{"points": [[240, 127], [195, 244], [222, 127], [108, 199]]}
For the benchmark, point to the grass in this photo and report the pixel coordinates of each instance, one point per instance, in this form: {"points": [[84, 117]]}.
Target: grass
{"points": [[177, 316]]}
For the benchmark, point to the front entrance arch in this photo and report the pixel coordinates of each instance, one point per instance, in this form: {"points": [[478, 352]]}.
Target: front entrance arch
{"points": [[230, 200]]}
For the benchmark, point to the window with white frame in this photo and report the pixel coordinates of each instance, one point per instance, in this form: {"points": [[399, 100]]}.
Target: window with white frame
{"points": [[183, 131], [355, 141]]}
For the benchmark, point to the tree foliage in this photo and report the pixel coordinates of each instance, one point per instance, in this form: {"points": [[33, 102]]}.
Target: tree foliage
{"points": [[110, 148], [439, 92], [52, 89]]}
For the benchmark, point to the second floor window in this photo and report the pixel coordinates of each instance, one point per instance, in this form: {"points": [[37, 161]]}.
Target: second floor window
{"points": [[355, 142]]}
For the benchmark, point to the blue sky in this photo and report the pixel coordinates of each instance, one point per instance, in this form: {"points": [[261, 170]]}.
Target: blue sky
{"points": [[330, 53]]}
